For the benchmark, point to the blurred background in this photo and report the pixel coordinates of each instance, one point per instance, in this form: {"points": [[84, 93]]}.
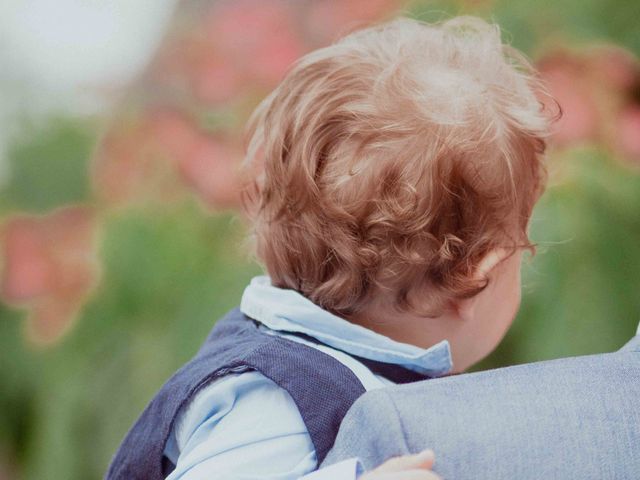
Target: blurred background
{"points": [[120, 229]]}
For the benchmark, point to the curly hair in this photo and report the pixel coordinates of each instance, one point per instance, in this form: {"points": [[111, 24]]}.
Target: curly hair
{"points": [[392, 161]]}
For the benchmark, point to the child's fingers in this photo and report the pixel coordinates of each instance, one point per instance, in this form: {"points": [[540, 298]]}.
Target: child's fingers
{"points": [[403, 475], [423, 460], [415, 475]]}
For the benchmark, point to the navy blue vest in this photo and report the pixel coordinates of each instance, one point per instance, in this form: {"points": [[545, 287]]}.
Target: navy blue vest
{"points": [[322, 388]]}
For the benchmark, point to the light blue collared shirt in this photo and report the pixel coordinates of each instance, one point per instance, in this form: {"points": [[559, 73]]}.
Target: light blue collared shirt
{"points": [[245, 426]]}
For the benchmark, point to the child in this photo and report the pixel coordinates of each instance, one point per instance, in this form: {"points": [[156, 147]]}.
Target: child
{"points": [[399, 168]]}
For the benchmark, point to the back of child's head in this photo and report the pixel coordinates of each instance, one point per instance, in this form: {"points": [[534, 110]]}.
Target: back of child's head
{"points": [[393, 160]]}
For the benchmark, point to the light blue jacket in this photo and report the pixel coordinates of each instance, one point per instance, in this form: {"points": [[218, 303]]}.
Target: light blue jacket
{"points": [[573, 418]]}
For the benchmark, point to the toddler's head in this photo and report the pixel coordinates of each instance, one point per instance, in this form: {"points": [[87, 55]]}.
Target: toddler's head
{"points": [[398, 171]]}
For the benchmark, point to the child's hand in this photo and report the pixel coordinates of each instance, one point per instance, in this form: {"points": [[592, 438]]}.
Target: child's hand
{"points": [[408, 467]]}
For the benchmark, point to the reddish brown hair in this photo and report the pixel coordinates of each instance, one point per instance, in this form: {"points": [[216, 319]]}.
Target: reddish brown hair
{"points": [[392, 161]]}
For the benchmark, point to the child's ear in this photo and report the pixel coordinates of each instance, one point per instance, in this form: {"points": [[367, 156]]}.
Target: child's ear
{"points": [[466, 307]]}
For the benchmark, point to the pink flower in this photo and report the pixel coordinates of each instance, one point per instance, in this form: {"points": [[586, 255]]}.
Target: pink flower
{"points": [[330, 19], [616, 69], [160, 155], [131, 165], [566, 78], [216, 81], [596, 89], [616, 76], [258, 38], [210, 169], [628, 133], [50, 267], [172, 132], [193, 62], [206, 164]]}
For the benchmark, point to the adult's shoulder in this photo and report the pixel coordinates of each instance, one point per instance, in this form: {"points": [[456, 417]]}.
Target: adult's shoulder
{"points": [[526, 377], [545, 379], [551, 418]]}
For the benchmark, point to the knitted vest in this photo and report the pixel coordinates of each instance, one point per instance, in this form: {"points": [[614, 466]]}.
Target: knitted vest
{"points": [[322, 388]]}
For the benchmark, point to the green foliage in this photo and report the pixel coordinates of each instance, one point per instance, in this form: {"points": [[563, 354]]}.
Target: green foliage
{"points": [[528, 25], [581, 290], [168, 275], [48, 166]]}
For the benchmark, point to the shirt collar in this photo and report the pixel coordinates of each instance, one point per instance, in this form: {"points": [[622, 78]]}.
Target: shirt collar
{"points": [[289, 311]]}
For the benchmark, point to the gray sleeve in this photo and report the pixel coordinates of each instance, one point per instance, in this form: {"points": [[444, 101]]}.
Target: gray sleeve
{"points": [[371, 431]]}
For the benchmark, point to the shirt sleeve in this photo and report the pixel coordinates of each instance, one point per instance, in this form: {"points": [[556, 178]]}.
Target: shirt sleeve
{"points": [[243, 426]]}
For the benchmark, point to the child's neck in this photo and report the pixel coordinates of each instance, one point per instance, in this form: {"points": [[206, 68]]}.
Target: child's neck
{"points": [[422, 332]]}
